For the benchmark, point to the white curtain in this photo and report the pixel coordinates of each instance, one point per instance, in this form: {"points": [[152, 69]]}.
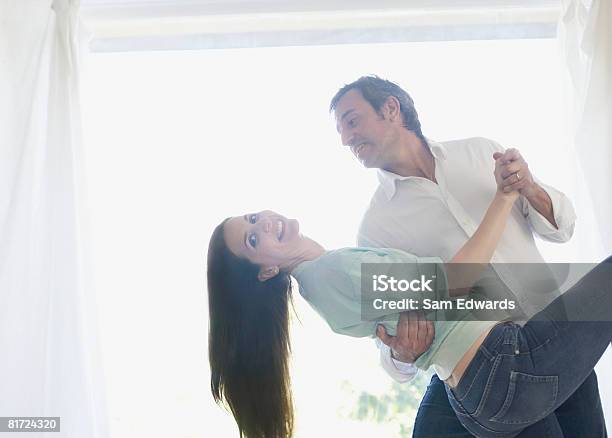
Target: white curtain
{"points": [[585, 35], [50, 362]]}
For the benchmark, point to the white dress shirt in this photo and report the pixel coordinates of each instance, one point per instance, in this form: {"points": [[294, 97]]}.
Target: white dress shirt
{"points": [[428, 219]]}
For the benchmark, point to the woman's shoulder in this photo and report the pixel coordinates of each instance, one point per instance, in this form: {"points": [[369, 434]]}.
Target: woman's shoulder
{"points": [[365, 254], [348, 261]]}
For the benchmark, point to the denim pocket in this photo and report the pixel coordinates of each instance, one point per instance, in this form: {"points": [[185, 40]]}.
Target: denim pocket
{"points": [[529, 399], [474, 389]]}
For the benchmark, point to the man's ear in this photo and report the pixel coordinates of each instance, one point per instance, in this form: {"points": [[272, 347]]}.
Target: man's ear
{"points": [[391, 108], [266, 273]]}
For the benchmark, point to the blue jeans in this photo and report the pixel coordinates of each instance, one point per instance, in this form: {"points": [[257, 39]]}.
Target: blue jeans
{"points": [[580, 416], [521, 375]]}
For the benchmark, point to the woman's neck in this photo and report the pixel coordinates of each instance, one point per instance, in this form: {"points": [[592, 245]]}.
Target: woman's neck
{"points": [[310, 251]]}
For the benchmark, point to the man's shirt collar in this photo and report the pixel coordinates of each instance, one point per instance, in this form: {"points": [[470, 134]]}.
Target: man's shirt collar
{"points": [[388, 180]]}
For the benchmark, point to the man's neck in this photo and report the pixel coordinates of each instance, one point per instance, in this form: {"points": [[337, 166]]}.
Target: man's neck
{"points": [[414, 159]]}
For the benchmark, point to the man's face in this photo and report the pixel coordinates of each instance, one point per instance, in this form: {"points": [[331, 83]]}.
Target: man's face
{"points": [[366, 132]]}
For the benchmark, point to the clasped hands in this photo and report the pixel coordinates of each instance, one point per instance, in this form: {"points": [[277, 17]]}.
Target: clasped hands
{"points": [[512, 173]]}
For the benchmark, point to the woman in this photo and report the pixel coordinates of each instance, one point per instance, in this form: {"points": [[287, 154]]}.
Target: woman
{"points": [[250, 260]]}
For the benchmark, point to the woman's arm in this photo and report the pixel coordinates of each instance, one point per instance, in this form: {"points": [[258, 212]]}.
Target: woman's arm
{"points": [[465, 267], [480, 247]]}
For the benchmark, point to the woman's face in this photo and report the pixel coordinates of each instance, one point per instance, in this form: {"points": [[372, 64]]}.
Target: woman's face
{"points": [[266, 239]]}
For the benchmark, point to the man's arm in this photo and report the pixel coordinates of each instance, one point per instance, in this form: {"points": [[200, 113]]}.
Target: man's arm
{"points": [[549, 211], [540, 200], [414, 336]]}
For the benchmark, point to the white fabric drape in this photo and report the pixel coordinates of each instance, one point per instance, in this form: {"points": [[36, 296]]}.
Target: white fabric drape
{"points": [[50, 359], [585, 35]]}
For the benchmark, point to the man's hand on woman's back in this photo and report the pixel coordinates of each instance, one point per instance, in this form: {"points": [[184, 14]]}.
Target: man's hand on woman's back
{"points": [[414, 336]]}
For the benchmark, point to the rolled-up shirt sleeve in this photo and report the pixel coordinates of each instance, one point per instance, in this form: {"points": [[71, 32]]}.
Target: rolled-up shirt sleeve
{"points": [[563, 212], [401, 372]]}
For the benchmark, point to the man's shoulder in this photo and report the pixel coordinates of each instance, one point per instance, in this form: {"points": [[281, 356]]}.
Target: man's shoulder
{"points": [[471, 144], [473, 151]]}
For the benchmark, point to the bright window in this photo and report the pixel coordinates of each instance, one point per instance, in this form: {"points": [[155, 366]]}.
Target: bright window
{"points": [[179, 140]]}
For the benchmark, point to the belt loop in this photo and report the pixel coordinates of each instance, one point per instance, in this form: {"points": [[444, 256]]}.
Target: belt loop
{"points": [[515, 339], [511, 337]]}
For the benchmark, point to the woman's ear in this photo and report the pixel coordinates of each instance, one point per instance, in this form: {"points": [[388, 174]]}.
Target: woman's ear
{"points": [[266, 273]]}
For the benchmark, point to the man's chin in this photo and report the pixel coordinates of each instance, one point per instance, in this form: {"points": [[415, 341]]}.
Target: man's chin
{"points": [[368, 164]]}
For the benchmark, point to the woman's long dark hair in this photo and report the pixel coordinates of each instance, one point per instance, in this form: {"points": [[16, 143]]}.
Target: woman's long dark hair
{"points": [[248, 342]]}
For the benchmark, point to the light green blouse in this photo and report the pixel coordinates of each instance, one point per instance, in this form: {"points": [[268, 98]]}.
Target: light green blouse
{"points": [[332, 285]]}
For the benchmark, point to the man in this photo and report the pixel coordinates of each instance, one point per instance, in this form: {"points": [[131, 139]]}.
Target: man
{"points": [[430, 199]]}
